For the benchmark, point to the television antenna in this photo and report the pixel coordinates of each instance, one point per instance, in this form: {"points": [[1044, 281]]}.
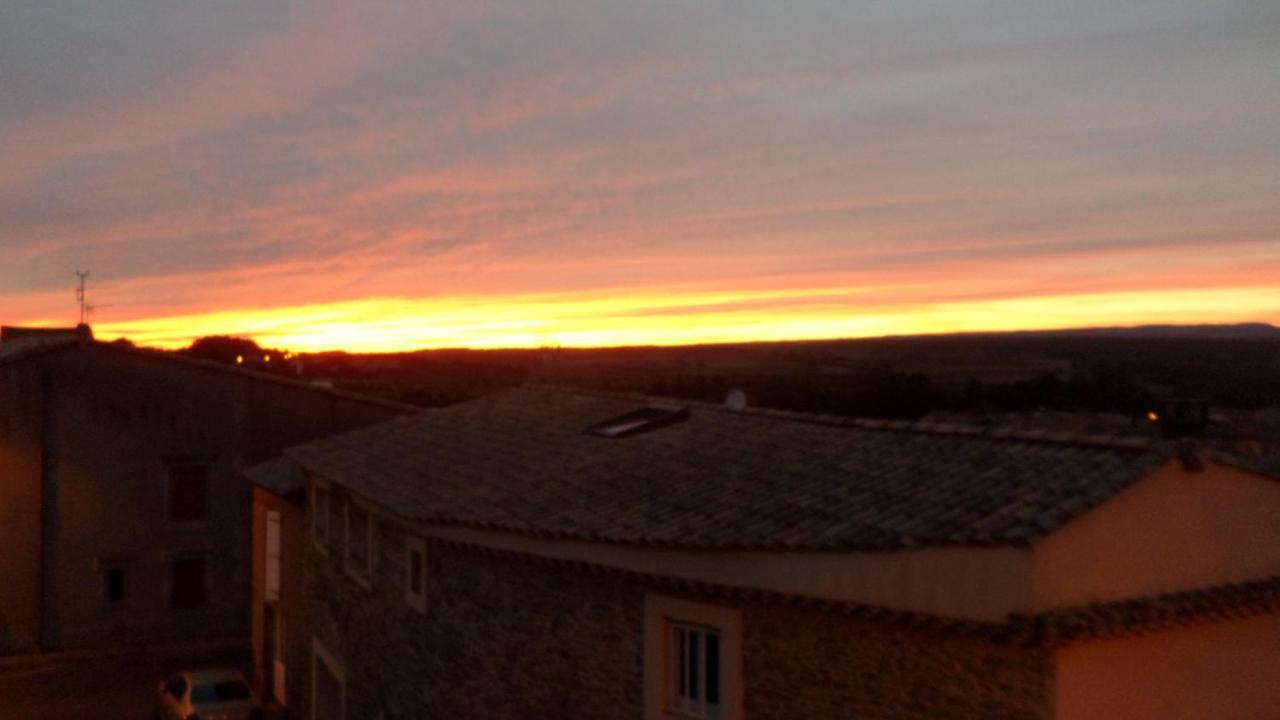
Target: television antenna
{"points": [[80, 296]]}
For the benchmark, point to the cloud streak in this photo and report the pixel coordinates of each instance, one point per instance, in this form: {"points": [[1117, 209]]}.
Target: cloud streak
{"points": [[253, 164]]}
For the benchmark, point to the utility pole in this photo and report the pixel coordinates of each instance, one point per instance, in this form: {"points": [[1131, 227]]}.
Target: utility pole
{"points": [[80, 296]]}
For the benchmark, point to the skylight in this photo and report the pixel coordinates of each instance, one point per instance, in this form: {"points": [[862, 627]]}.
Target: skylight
{"points": [[645, 419]]}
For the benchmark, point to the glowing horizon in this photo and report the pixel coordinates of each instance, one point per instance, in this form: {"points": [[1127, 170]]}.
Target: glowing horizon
{"points": [[400, 325]]}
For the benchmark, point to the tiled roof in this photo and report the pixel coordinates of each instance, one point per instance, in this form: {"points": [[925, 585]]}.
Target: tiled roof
{"points": [[1159, 612], [24, 348], [1056, 628], [521, 461], [279, 476]]}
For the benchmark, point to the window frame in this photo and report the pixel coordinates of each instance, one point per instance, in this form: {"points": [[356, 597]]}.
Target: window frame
{"points": [[418, 600], [321, 654], [272, 556], [362, 576], [321, 520], [662, 615]]}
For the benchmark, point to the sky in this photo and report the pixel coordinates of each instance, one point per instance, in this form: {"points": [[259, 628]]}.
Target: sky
{"points": [[393, 175]]}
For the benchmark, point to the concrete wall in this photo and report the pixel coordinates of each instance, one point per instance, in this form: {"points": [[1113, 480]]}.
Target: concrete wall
{"points": [[509, 638], [115, 422], [1174, 530], [1224, 670], [21, 420]]}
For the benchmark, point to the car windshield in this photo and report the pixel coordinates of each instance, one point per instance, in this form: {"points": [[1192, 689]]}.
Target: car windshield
{"points": [[219, 692]]}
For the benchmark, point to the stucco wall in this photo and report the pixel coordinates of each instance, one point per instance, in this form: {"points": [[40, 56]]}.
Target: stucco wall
{"points": [[1224, 670], [115, 422], [21, 417], [984, 584], [505, 637], [1173, 530]]}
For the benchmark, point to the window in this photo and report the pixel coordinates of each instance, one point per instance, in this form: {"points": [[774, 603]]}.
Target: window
{"points": [[320, 499], [645, 419], [114, 583], [415, 573], [188, 582], [694, 663], [693, 660], [271, 551], [328, 685], [188, 493], [359, 557]]}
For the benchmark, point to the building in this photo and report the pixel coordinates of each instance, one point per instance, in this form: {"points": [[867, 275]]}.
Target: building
{"points": [[123, 517], [546, 553], [280, 533]]}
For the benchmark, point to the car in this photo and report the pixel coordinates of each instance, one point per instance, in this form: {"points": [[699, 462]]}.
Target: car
{"points": [[209, 694]]}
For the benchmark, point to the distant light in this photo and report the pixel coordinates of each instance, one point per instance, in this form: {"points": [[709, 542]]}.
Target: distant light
{"points": [[239, 359], [266, 358], [1152, 416]]}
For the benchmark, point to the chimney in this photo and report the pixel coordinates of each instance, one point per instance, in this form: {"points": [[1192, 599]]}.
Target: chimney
{"points": [[1184, 417]]}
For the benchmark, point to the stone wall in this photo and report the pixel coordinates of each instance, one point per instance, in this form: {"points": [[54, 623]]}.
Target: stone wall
{"points": [[505, 637]]}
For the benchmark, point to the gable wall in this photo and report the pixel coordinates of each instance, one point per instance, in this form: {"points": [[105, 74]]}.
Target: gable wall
{"points": [[1174, 530], [21, 420]]}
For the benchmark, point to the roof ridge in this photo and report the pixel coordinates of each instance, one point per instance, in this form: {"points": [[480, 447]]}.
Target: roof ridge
{"points": [[924, 427]]}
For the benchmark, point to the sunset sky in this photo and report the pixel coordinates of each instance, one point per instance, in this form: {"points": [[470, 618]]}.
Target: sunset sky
{"points": [[392, 175]]}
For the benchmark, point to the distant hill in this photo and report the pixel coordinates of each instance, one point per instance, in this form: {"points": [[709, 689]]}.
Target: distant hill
{"points": [[1239, 331]]}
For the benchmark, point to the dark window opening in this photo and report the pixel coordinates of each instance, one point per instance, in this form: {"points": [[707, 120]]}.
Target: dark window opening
{"points": [[188, 493], [415, 572], [357, 536], [187, 582], [113, 584], [645, 419]]}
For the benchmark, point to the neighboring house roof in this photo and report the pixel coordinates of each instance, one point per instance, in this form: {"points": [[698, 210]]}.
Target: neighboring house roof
{"points": [[278, 476], [522, 461], [1159, 612], [25, 347]]}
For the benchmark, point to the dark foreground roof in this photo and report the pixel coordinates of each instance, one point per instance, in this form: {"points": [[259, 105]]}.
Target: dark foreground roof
{"points": [[522, 461], [278, 476]]}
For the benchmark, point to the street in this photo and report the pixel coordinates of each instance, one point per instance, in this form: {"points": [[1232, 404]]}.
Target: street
{"points": [[119, 687]]}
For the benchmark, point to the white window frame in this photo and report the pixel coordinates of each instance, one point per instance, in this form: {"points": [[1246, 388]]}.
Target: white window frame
{"points": [[273, 537], [662, 614], [415, 544], [321, 654], [321, 518], [362, 575]]}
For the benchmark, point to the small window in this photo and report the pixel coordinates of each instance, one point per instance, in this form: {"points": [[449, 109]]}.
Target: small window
{"points": [[320, 499], [415, 569], [188, 493], [693, 660], [359, 557], [645, 419], [114, 584], [695, 670], [187, 582]]}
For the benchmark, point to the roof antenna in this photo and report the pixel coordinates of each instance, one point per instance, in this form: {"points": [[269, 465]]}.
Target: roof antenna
{"points": [[80, 296]]}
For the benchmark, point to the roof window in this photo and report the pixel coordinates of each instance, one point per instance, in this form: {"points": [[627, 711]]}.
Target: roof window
{"points": [[641, 420]]}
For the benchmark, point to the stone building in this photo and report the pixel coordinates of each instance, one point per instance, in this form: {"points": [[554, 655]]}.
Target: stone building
{"points": [[546, 553], [123, 517]]}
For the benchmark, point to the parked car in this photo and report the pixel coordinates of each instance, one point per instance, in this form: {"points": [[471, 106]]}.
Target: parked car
{"points": [[212, 694]]}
